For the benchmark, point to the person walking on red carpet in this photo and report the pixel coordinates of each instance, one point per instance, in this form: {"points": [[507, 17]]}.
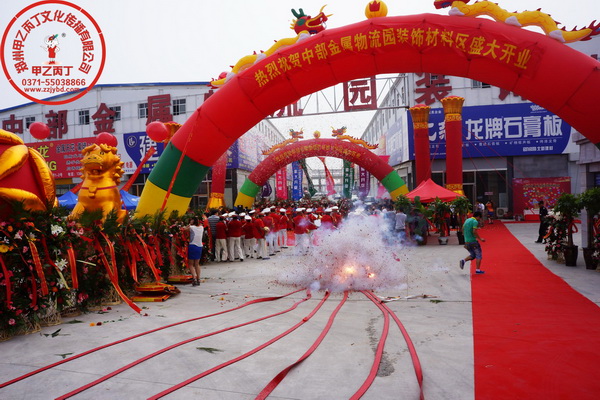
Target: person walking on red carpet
{"points": [[472, 245]]}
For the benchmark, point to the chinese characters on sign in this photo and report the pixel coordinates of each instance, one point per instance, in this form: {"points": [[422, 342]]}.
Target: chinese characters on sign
{"points": [[292, 110], [296, 181], [159, 108], [103, 119], [431, 88], [500, 130], [52, 47], [281, 183], [63, 156], [360, 95], [13, 125], [473, 42]]}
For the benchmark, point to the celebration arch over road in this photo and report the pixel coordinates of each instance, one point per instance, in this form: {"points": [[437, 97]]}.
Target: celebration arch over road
{"points": [[541, 69], [320, 147]]}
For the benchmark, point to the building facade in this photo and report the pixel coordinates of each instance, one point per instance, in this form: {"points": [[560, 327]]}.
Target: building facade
{"points": [[124, 110], [508, 142]]}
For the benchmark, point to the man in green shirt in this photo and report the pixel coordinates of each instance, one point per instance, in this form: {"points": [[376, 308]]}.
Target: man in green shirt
{"points": [[470, 228]]}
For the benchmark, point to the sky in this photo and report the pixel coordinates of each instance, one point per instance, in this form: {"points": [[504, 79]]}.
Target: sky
{"points": [[196, 40]]}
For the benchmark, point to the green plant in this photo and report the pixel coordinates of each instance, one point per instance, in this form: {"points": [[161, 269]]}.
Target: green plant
{"points": [[555, 240], [590, 200], [440, 215], [404, 203], [568, 206], [462, 207]]}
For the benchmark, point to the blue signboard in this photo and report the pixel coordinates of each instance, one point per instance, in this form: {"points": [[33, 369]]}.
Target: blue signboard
{"points": [[137, 144], [499, 130], [296, 181]]}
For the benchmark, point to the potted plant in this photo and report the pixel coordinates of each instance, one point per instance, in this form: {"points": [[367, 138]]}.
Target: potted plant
{"points": [[590, 200], [417, 222], [403, 202], [569, 206], [462, 207], [441, 214]]}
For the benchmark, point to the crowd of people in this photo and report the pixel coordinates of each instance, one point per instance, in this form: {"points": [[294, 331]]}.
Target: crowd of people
{"points": [[237, 234], [230, 235]]}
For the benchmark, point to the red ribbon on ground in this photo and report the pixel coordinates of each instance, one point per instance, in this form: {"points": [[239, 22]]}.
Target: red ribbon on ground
{"points": [[38, 267], [6, 282], [73, 265]]}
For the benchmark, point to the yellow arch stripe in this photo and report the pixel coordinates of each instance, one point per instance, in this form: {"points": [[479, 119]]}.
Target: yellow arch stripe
{"points": [[148, 205], [401, 190]]}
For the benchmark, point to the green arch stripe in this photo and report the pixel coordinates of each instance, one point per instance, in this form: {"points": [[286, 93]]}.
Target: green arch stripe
{"points": [[392, 181], [249, 188], [188, 178]]}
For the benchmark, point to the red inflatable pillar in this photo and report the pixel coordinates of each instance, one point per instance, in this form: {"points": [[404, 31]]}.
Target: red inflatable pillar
{"points": [[454, 166], [420, 117], [217, 194]]}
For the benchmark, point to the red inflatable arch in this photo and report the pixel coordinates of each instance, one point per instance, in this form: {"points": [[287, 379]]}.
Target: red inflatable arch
{"points": [[320, 147], [550, 74]]}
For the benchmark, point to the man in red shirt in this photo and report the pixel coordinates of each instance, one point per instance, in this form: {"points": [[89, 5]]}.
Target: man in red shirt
{"points": [[221, 236], [259, 234], [301, 229], [327, 221], [337, 217], [275, 230], [270, 234], [282, 226], [249, 240], [234, 231]]}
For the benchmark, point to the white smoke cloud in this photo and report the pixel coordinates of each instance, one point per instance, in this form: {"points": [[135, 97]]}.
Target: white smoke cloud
{"points": [[363, 254]]}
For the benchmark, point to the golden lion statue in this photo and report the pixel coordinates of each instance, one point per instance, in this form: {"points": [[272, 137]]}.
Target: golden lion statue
{"points": [[101, 174]]}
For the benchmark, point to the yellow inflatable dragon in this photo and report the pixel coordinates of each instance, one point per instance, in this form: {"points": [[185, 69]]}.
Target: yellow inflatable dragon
{"points": [[305, 26], [341, 135], [525, 18]]}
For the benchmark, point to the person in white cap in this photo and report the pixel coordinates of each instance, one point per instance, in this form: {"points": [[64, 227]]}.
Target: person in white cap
{"points": [[337, 217], [260, 232], [271, 234], [301, 227], [249, 240], [327, 220], [234, 232], [282, 232], [221, 240]]}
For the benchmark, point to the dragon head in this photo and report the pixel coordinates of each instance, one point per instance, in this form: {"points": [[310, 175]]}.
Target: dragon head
{"points": [[307, 23], [297, 134]]}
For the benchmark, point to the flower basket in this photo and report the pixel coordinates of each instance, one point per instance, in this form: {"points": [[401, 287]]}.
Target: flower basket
{"points": [[111, 298], [51, 316], [24, 329]]}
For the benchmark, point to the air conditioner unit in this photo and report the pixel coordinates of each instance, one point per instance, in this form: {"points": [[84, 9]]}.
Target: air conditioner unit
{"points": [[501, 212]]}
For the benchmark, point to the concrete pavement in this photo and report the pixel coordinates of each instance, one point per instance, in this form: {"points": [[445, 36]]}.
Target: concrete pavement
{"points": [[440, 330]]}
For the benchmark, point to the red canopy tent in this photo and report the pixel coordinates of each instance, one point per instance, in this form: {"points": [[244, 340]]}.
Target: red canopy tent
{"points": [[428, 190]]}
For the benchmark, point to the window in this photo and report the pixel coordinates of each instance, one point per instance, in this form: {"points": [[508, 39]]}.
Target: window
{"points": [[143, 110], [84, 117], [479, 85], [178, 106], [117, 110], [29, 121]]}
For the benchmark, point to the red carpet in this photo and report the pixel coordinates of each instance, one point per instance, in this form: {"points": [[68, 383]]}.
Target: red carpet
{"points": [[534, 336]]}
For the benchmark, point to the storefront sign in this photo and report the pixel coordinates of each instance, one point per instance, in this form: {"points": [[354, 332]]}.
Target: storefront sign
{"points": [[499, 130], [63, 156]]}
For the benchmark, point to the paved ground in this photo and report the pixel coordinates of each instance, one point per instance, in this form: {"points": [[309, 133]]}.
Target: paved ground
{"points": [[441, 332]]}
